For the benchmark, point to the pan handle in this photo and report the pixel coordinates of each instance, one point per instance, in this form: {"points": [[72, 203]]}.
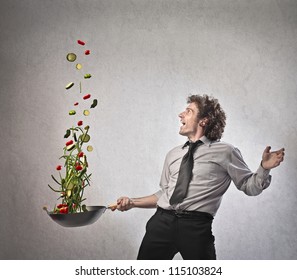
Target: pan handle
{"points": [[112, 206]]}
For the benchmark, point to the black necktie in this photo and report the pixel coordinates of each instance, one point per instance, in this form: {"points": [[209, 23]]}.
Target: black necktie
{"points": [[185, 174]]}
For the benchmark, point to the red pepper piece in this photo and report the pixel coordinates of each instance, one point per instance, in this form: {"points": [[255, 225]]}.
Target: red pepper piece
{"points": [[78, 167], [81, 42], [70, 142], [87, 96], [61, 205], [64, 210], [87, 52], [80, 123], [76, 103], [81, 154], [59, 167]]}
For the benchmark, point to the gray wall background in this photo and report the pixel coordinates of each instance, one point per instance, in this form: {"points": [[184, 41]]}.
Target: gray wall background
{"points": [[147, 56]]}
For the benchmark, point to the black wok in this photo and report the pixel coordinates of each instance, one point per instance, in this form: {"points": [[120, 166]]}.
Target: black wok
{"points": [[79, 219]]}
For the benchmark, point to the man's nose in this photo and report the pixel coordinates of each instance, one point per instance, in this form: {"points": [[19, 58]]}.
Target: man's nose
{"points": [[181, 114]]}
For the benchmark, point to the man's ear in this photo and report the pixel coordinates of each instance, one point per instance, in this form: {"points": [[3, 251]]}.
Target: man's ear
{"points": [[203, 122]]}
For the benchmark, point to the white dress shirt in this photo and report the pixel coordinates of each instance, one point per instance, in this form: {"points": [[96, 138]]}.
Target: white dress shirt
{"points": [[216, 164]]}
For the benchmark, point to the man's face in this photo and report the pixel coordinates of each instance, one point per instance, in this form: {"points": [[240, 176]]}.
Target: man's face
{"points": [[189, 121]]}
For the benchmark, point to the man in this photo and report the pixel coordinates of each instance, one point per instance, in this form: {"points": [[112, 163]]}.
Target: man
{"points": [[194, 178]]}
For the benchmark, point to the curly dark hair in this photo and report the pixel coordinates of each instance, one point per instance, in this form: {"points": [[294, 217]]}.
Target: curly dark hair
{"points": [[210, 108]]}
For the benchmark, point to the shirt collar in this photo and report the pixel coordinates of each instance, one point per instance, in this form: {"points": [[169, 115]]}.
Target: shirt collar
{"points": [[204, 139]]}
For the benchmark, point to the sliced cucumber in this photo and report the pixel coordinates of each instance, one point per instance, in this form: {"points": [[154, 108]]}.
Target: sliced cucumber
{"points": [[71, 57], [70, 85], [94, 104], [85, 138], [70, 147]]}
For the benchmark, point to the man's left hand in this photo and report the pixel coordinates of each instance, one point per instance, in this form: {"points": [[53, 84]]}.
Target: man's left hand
{"points": [[272, 159]]}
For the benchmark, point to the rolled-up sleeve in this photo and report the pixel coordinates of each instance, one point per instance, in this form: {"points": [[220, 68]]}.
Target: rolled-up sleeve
{"points": [[164, 179], [244, 179], [158, 194]]}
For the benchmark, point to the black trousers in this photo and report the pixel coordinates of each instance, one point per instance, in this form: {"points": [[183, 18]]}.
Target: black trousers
{"points": [[168, 233]]}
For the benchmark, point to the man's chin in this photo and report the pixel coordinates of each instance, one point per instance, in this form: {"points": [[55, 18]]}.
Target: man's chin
{"points": [[182, 133]]}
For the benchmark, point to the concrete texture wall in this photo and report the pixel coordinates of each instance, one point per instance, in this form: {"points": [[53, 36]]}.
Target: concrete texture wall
{"points": [[147, 56]]}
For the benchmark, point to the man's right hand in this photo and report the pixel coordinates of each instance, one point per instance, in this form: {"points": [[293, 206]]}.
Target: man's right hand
{"points": [[124, 203]]}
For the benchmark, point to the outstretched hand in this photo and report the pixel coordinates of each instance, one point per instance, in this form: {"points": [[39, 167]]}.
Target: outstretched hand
{"points": [[272, 159]]}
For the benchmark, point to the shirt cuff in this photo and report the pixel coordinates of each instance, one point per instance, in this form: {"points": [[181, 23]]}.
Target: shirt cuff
{"points": [[264, 176], [262, 172]]}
